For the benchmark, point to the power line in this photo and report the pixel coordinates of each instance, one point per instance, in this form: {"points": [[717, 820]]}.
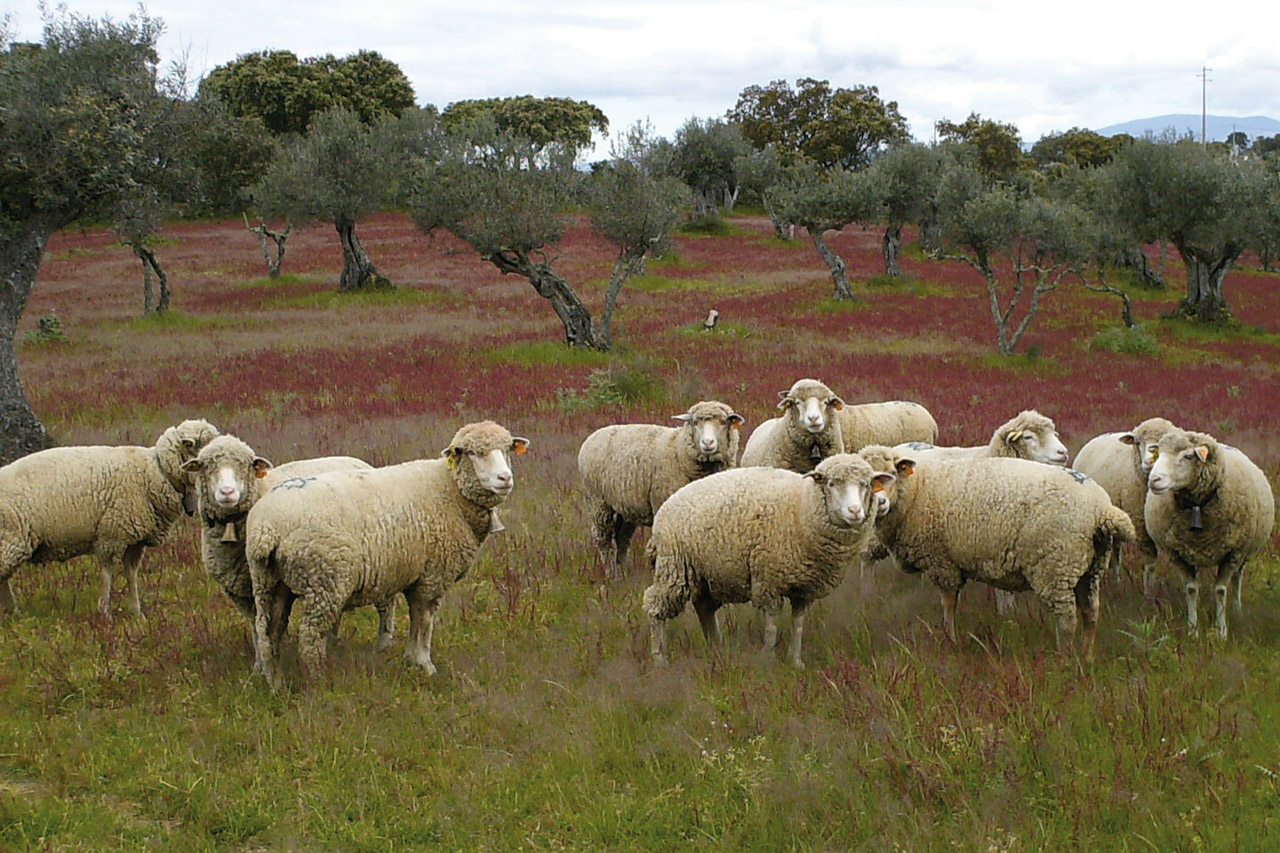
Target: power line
{"points": [[1204, 81]]}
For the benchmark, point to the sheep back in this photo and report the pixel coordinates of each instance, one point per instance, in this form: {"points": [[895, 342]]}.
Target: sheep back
{"points": [[888, 423]]}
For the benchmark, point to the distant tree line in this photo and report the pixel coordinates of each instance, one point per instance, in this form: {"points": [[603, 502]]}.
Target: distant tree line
{"points": [[90, 131]]}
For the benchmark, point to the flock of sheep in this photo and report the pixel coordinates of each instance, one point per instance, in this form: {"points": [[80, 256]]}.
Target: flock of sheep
{"points": [[820, 487]]}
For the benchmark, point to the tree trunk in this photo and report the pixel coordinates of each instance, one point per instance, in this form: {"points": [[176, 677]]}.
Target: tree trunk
{"points": [[358, 271], [781, 230], [626, 267], [931, 233], [1204, 301], [579, 331], [21, 251], [892, 246], [1135, 259], [277, 237], [149, 265], [835, 263]]}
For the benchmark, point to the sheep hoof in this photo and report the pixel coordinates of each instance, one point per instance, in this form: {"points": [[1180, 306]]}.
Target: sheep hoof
{"points": [[798, 664]]}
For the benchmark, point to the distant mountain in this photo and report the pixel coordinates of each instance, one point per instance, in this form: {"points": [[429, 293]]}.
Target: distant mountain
{"points": [[1218, 128]]}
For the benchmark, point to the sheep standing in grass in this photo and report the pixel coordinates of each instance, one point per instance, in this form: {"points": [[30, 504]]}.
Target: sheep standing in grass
{"points": [[111, 502], [1209, 510], [892, 422], [1120, 462], [807, 432], [1029, 435], [348, 538], [1009, 523], [758, 535], [628, 470], [229, 480]]}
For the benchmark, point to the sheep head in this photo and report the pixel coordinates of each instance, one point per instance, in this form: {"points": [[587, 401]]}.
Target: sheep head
{"points": [[809, 405], [1145, 439], [1031, 436], [885, 461], [479, 457], [848, 488], [1188, 462], [711, 432], [223, 472]]}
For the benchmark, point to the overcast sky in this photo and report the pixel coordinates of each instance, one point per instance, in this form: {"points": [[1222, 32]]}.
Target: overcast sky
{"points": [[1041, 67]]}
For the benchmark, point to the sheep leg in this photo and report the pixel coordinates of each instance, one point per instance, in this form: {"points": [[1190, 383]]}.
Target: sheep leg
{"points": [[1193, 598], [132, 557], [272, 606], [658, 639], [386, 624], [604, 523], [1004, 602], [770, 630], [950, 597], [106, 567], [1116, 561], [323, 609], [422, 617], [707, 609], [798, 608], [622, 532], [1231, 569], [8, 603], [1088, 603]]}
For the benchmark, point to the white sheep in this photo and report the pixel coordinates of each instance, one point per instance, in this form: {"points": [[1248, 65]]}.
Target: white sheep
{"points": [[350, 538], [758, 535], [1210, 509], [111, 502], [229, 479], [1120, 463], [1028, 435], [807, 432], [1010, 523], [891, 422], [628, 470]]}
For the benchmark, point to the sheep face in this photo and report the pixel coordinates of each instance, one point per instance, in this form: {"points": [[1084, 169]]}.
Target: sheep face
{"points": [[1038, 443], [479, 457], [849, 488], [710, 428], [223, 471], [1145, 440], [810, 405], [1181, 461], [884, 461]]}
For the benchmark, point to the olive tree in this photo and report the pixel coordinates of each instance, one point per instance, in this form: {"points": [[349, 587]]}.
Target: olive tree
{"points": [[907, 177], [821, 200], [74, 111], [341, 171]]}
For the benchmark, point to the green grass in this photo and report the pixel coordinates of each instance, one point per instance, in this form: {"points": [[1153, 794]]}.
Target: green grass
{"points": [[178, 321], [650, 283], [1137, 341], [832, 305], [284, 279]]}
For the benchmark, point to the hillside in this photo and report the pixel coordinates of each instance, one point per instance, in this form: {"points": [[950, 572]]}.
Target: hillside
{"points": [[1218, 128]]}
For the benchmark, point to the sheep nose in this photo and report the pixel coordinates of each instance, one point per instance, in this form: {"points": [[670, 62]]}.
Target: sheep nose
{"points": [[504, 478], [708, 444], [227, 490]]}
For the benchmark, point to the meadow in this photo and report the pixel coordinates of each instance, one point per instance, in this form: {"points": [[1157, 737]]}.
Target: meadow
{"points": [[547, 727]]}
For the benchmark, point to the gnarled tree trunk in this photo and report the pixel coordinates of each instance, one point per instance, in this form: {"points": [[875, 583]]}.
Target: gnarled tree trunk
{"points": [[151, 265], [891, 246], [278, 238], [1206, 270], [21, 250], [835, 263], [358, 271], [579, 331], [627, 266]]}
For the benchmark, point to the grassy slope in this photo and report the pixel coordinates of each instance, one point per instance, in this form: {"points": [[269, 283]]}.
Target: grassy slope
{"points": [[546, 727]]}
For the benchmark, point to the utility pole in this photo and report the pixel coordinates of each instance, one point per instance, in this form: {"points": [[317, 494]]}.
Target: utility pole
{"points": [[1204, 80]]}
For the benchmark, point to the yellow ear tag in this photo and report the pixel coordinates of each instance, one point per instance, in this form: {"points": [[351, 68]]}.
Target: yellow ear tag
{"points": [[520, 449], [451, 460], [876, 486], [1202, 452]]}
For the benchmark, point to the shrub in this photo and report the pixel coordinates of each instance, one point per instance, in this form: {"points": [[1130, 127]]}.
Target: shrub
{"points": [[614, 386], [48, 330], [1130, 341]]}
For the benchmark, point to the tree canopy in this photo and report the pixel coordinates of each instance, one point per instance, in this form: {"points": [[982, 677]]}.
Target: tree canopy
{"points": [[540, 121], [832, 127], [286, 93], [1076, 147], [998, 144]]}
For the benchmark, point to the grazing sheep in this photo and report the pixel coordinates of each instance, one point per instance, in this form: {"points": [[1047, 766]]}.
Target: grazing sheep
{"points": [[758, 535], [1209, 510], [229, 480], [628, 470], [111, 502], [1120, 463], [806, 433], [892, 422], [1030, 435], [349, 538], [1009, 523]]}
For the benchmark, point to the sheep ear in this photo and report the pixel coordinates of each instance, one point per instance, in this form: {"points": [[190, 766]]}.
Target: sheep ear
{"points": [[1013, 436], [191, 466], [1202, 450], [786, 403], [836, 401], [816, 476], [1127, 438], [189, 444], [879, 481], [261, 466], [735, 421], [519, 446], [451, 455], [905, 467], [683, 418]]}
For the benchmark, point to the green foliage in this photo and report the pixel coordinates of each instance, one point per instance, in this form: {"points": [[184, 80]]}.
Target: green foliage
{"points": [[541, 121], [47, 331], [707, 225], [827, 199], [998, 145], [1137, 341], [615, 385], [830, 127], [706, 157], [285, 94], [633, 211], [1075, 147]]}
